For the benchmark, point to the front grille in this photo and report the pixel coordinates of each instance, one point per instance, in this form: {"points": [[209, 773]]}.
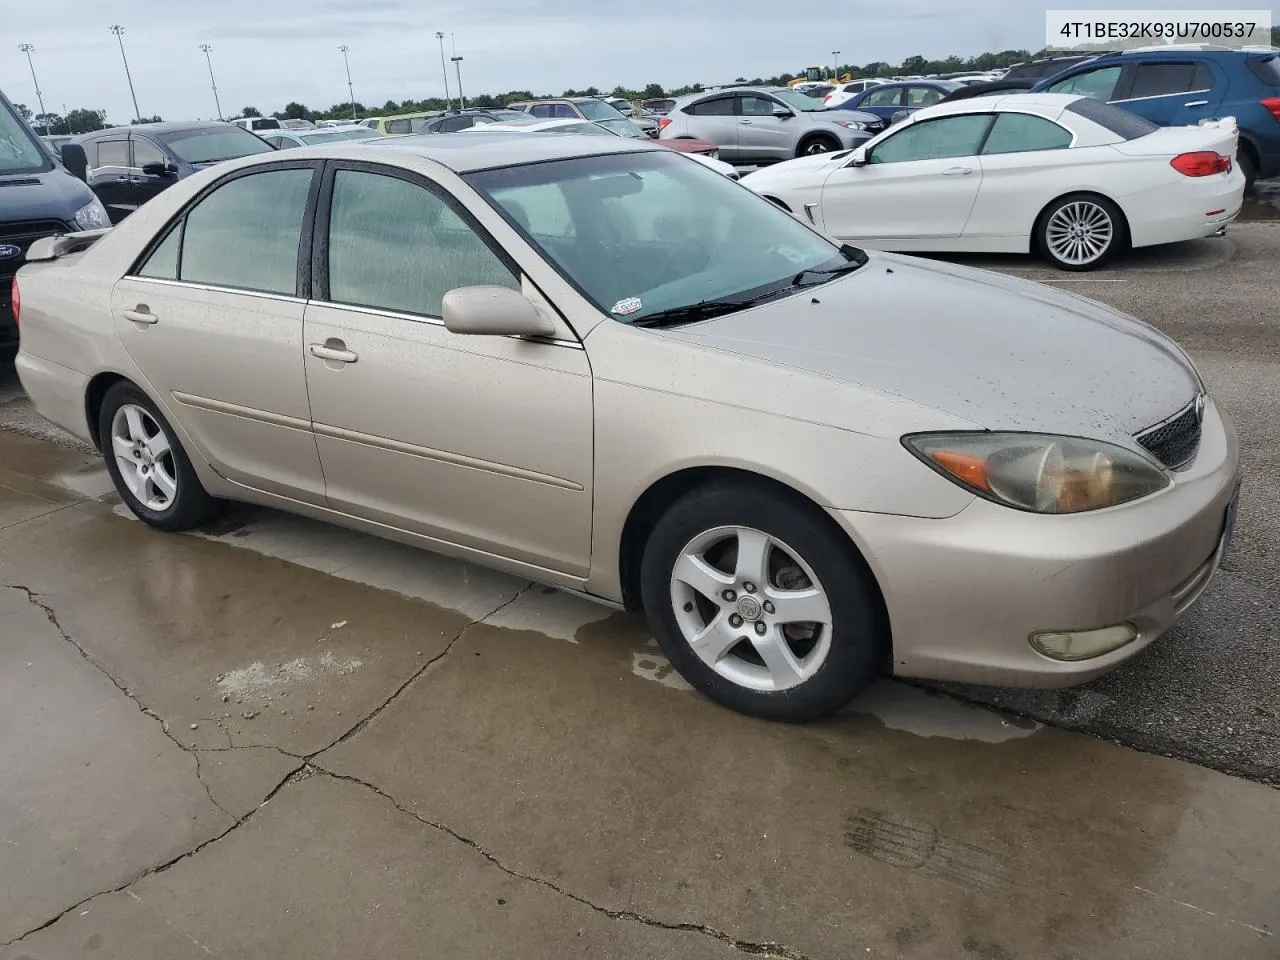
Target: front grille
{"points": [[1175, 441], [21, 234]]}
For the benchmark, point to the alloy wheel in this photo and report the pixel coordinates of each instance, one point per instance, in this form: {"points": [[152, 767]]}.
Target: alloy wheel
{"points": [[1079, 232], [751, 608], [144, 457], [816, 147]]}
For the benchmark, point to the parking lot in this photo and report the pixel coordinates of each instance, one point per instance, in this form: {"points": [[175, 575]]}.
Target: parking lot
{"points": [[277, 738]]}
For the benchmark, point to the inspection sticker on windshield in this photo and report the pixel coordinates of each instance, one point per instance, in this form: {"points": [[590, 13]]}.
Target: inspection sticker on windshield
{"points": [[626, 307]]}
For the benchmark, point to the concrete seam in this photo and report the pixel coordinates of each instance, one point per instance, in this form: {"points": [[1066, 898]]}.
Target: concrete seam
{"points": [[750, 947]]}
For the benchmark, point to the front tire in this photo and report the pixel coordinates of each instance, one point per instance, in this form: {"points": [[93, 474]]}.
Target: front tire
{"points": [[1080, 232], [761, 604], [151, 471], [814, 145]]}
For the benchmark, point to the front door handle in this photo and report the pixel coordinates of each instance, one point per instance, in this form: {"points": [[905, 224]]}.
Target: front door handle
{"points": [[744, 121], [1196, 103], [141, 314], [334, 350], [957, 171]]}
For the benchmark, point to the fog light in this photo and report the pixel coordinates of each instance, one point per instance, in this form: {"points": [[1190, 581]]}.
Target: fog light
{"points": [[1083, 644]]}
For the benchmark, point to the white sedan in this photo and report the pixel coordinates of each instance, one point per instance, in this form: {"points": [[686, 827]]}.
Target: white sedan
{"points": [[1069, 177], [591, 128]]}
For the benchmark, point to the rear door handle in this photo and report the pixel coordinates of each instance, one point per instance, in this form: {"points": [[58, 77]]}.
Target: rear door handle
{"points": [[334, 350], [744, 121], [957, 171], [1196, 103], [141, 314]]}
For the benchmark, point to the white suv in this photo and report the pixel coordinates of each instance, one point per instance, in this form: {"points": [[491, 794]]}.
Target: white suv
{"points": [[847, 91]]}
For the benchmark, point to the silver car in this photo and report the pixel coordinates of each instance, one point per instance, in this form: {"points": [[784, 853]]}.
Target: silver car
{"points": [[594, 364], [765, 125]]}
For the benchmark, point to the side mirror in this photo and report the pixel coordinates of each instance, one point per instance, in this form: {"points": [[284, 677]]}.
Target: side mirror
{"points": [[494, 311], [782, 113], [75, 160], [158, 168], [858, 158]]}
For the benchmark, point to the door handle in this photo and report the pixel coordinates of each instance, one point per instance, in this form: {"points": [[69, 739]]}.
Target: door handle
{"points": [[141, 314], [1196, 103], [744, 121], [334, 350], [122, 179], [957, 171]]}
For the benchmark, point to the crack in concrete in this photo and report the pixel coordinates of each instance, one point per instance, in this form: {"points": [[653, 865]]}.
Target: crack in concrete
{"points": [[303, 770], [300, 772], [51, 615], [373, 715], [755, 948]]}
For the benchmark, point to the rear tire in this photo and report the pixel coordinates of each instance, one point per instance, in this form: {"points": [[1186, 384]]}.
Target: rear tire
{"points": [[151, 471], [762, 604], [1080, 231], [817, 143]]}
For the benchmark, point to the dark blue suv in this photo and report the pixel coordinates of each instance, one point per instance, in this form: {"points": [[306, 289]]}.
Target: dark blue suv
{"points": [[1183, 85]]}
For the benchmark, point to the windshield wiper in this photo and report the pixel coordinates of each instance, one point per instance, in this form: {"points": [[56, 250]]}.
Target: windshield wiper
{"points": [[856, 259], [705, 309]]}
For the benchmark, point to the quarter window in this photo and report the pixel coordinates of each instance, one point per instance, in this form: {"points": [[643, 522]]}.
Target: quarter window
{"points": [[1022, 132], [1097, 84], [245, 234], [933, 140], [394, 245]]}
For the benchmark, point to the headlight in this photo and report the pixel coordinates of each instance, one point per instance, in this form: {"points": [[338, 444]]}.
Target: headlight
{"points": [[852, 124], [92, 216], [1040, 472]]}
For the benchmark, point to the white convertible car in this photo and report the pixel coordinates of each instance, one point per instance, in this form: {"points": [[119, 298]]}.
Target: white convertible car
{"points": [[1071, 178]]}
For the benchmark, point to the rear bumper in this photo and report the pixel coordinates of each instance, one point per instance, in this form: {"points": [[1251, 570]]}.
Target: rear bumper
{"points": [[965, 593], [1187, 210], [57, 392]]}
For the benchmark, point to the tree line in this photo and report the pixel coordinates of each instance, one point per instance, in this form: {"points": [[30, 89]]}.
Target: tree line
{"points": [[84, 121]]}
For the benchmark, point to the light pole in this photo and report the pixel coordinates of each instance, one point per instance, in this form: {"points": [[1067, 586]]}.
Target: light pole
{"points": [[444, 71], [835, 64], [457, 66], [119, 32], [205, 49], [27, 48], [350, 92]]}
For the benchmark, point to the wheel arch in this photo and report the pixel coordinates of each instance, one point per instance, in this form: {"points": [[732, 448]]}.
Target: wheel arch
{"points": [[1034, 239], [94, 394], [813, 135], [665, 491]]}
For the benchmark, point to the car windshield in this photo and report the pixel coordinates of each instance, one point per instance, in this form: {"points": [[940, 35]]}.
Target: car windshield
{"points": [[589, 127], [647, 233], [211, 144], [596, 110], [801, 101], [20, 151]]}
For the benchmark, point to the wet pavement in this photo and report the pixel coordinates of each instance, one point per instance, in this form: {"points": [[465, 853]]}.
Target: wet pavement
{"points": [[1264, 203], [275, 738]]}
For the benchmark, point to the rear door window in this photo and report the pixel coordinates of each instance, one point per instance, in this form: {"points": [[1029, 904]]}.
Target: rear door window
{"points": [[1164, 79], [245, 233], [1097, 84], [113, 153], [717, 107]]}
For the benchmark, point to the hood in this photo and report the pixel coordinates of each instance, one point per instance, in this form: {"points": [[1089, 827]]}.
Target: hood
{"points": [[787, 169], [52, 195], [839, 116], [1002, 353]]}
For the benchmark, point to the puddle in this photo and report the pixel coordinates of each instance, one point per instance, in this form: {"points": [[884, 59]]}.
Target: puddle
{"points": [[92, 482], [925, 714], [1264, 204]]}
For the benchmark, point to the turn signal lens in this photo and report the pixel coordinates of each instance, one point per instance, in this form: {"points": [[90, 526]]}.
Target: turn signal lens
{"points": [[1202, 163], [1083, 644], [663, 122], [1040, 472]]}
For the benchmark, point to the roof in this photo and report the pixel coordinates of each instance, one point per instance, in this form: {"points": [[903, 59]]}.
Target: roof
{"points": [[484, 151], [168, 126], [1044, 104]]}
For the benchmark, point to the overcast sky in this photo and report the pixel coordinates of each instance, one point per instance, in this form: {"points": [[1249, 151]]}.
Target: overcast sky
{"points": [[268, 52]]}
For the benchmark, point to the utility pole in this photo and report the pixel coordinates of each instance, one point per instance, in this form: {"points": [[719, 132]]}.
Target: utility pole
{"points": [[205, 48], [119, 32], [27, 48], [444, 71], [835, 64], [457, 66], [350, 92], [64, 118]]}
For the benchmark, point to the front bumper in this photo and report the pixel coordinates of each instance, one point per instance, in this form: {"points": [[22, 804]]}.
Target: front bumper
{"points": [[965, 593]]}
